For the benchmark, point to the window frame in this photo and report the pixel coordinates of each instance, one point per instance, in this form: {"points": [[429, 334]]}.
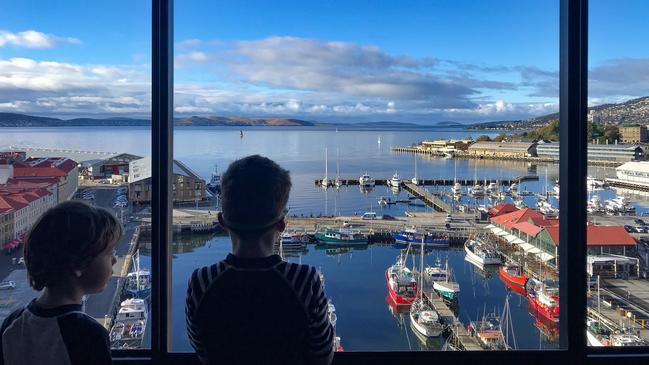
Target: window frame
{"points": [[572, 167]]}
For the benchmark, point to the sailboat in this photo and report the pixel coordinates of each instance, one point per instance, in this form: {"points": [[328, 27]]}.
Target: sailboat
{"points": [[338, 182], [457, 187], [477, 189], [423, 317], [325, 182], [414, 179]]}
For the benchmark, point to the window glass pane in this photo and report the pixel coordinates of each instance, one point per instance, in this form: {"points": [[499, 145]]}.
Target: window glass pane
{"points": [[617, 175], [452, 102], [75, 125]]}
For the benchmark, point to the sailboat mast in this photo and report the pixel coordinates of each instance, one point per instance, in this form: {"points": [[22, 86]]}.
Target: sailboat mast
{"points": [[421, 268], [326, 165]]}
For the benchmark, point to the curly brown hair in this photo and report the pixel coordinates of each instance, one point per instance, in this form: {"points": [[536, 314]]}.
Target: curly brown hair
{"points": [[65, 238]]}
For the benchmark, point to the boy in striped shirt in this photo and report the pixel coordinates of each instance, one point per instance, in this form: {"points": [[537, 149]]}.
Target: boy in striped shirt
{"points": [[252, 307]]}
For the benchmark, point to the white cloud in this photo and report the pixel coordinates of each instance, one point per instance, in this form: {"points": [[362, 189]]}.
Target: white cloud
{"points": [[33, 39]]}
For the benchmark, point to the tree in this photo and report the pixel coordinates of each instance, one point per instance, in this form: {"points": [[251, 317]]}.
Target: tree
{"points": [[501, 137], [483, 138], [612, 133]]}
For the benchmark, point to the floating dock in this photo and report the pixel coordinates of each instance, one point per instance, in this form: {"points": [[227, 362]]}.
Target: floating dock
{"points": [[434, 182]]}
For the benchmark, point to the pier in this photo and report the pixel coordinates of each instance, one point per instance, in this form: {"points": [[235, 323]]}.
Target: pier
{"points": [[466, 155], [457, 330], [428, 198], [435, 182]]}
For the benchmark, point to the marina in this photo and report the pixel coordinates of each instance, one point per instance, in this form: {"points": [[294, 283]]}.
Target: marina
{"points": [[353, 229]]}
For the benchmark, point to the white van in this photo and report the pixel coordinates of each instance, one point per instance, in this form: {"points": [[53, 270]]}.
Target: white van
{"points": [[369, 215]]}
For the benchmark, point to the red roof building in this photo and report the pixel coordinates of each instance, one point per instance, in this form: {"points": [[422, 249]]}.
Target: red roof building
{"points": [[63, 171], [501, 209], [508, 220]]}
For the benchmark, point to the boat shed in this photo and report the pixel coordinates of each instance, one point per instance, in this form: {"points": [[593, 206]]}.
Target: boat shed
{"points": [[613, 266], [503, 149], [187, 186], [107, 167]]}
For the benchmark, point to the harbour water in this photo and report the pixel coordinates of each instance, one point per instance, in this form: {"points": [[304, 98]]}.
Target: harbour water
{"points": [[355, 280]]}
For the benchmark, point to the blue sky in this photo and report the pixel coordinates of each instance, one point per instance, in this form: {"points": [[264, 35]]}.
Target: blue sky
{"points": [[416, 61]]}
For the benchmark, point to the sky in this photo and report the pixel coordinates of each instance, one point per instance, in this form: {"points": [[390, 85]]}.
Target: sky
{"points": [[343, 61]]}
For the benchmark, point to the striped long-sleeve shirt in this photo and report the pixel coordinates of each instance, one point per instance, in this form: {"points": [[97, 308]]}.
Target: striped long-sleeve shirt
{"points": [[260, 310]]}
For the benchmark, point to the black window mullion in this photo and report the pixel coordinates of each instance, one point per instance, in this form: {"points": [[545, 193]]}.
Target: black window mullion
{"points": [[572, 172], [162, 155]]}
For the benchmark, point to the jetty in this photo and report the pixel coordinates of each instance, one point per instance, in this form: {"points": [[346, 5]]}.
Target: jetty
{"points": [[435, 182], [457, 330], [428, 198]]}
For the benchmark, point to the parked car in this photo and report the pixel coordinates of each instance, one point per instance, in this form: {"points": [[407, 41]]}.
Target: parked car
{"points": [[641, 229], [639, 222], [629, 228]]}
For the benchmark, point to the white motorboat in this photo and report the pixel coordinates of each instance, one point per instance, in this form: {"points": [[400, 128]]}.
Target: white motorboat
{"points": [[366, 180], [477, 252], [130, 324], [477, 190], [395, 182], [457, 189]]}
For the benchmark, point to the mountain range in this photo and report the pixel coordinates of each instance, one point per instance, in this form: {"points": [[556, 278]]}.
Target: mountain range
{"points": [[23, 120]]}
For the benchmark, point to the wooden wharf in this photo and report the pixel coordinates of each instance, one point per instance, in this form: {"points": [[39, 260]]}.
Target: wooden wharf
{"points": [[428, 198], [446, 315]]}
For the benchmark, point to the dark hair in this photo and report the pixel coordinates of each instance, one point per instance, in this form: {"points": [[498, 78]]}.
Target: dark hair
{"points": [[67, 237], [254, 194]]}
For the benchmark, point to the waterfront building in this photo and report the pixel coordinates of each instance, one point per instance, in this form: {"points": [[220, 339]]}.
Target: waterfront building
{"points": [[596, 152], [634, 171], [501, 209], [107, 168], [441, 145], [503, 149], [64, 170], [634, 134], [6, 223], [537, 235], [27, 205], [612, 266], [187, 186]]}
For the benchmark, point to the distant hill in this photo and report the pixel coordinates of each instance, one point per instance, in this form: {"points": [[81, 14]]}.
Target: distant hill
{"points": [[634, 111], [22, 120]]}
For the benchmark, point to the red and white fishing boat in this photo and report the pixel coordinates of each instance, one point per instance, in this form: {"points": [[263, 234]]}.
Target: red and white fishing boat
{"points": [[544, 300], [513, 274], [402, 285]]}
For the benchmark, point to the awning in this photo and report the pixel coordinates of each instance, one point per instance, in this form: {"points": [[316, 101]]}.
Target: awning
{"points": [[534, 251], [496, 230], [526, 247], [11, 245], [518, 241], [510, 238], [503, 233], [544, 256], [490, 226]]}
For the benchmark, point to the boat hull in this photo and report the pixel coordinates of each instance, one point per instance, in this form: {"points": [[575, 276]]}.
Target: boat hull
{"points": [[397, 299], [426, 330], [514, 279], [542, 312], [428, 241], [481, 260], [446, 292], [333, 241]]}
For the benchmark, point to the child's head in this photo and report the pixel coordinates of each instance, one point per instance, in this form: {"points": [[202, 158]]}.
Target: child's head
{"points": [[72, 243], [254, 194]]}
